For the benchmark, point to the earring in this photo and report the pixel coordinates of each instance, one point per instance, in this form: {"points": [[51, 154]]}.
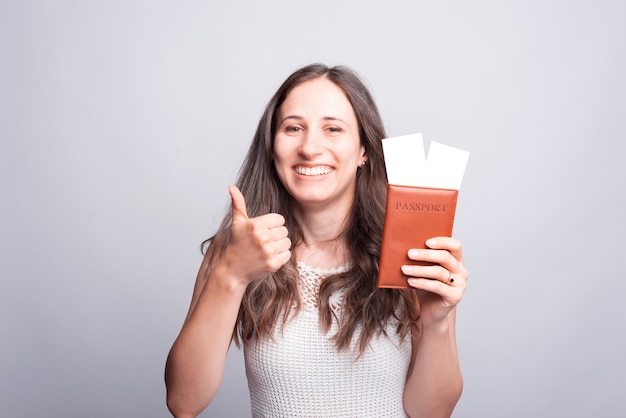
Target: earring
{"points": [[363, 163]]}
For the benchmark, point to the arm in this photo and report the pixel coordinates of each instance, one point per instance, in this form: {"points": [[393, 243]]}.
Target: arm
{"points": [[195, 365], [434, 382]]}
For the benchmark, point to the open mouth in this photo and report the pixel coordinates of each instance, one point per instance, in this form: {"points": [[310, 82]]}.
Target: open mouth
{"points": [[313, 171]]}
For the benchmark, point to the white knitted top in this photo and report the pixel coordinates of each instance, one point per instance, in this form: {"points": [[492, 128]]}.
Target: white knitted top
{"points": [[300, 373]]}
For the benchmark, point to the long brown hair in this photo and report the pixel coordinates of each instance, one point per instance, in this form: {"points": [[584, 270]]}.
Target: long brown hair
{"points": [[272, 299]]}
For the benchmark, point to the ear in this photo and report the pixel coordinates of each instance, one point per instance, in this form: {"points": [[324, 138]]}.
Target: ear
{"points": [[363, 161]]}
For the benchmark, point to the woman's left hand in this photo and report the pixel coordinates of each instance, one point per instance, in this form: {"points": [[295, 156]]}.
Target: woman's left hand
{"points": [[441, 285]]}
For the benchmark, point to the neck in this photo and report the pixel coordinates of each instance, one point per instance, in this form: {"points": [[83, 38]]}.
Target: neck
{"points": [[323, 245]]}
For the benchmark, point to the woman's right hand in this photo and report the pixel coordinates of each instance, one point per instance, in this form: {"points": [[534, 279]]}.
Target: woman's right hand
{"points": [[195, 366], [257, 246]]}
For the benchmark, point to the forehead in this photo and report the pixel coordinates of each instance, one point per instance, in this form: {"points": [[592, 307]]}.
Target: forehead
{"points": [[319, 97]]}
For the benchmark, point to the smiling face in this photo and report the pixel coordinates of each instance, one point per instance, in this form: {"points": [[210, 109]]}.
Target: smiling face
{"points": [[317, 149]]}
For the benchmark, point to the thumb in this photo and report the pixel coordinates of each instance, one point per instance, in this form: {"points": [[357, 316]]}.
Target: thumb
{"points": [[239, 205]]}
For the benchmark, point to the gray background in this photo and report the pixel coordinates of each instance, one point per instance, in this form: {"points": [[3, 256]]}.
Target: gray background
{"points": [[123, 123]]}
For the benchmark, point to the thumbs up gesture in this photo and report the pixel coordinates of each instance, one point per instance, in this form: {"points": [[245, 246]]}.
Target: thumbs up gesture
{"points": [[257, 246]]}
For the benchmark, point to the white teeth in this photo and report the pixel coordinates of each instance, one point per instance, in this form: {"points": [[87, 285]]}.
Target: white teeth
{"points": [[312, 171]]}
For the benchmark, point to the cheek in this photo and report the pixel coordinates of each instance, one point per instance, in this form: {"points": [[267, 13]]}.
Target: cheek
{"points": [[280, 150], [353, 153]]}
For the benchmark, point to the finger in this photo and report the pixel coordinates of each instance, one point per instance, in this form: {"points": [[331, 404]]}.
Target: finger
{"points": [[283, 245], [432, 272], [280, 254], [442, 257], [283, 257], [278, 233], [450, 244], [271, 221], [452, 294], [239, 205]]}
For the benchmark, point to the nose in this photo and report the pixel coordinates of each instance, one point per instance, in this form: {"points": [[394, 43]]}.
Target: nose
{"points": [[311, 145]]}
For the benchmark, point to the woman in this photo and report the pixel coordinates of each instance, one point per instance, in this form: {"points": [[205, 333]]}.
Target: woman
{"points": [[291, 274]]}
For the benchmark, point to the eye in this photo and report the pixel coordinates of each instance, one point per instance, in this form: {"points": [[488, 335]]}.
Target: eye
{"points": [[334, 129], [293, 129]]}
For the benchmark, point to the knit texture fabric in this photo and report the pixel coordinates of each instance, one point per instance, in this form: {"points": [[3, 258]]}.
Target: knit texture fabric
{"points": [[300, 372]]}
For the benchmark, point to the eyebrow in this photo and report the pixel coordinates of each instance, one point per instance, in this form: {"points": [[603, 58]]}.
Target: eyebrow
{"points": [[297, 117]]}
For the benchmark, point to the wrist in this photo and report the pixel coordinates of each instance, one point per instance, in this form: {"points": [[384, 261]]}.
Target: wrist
{"points": [[224, 279], [439, 327]]}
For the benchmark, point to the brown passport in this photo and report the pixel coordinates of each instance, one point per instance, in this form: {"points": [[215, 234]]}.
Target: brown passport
{"points": [[413, 215]]}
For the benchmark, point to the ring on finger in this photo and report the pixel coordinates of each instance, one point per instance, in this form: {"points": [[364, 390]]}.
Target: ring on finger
{"points": [[450, 279]]}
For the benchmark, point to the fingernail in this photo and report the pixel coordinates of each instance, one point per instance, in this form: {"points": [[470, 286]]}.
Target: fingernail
{"points": [[431, 242], [413, 253], [407, 269]]}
